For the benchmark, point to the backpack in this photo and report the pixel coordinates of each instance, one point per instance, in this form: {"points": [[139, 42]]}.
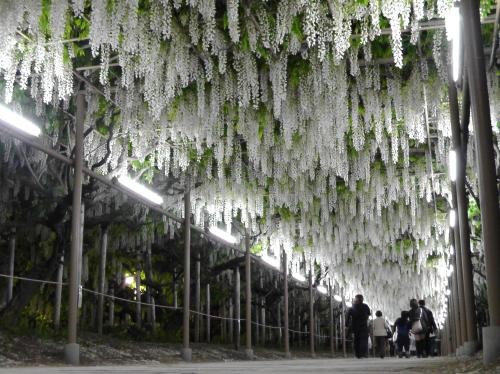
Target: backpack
{"points": [[402, 328], [424, 320]]}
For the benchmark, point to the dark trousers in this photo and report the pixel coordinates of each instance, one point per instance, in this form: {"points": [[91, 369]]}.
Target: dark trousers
{"points": [[420, 344], [403, 342], [380, 345], [361, 344], [428, 345]]}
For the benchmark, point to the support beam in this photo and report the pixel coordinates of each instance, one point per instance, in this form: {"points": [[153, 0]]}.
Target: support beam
{"points": [[311, 314], [332, 322], [459, 272], [72, 349], [237, 309], [342, 323], [138, 310], [488, 191], [57, 307], [470, 344], [186, 351], [285, 306], [208, 312], [12, 256], [197, 300], [102, 278], [149, 281], [248, 299]]}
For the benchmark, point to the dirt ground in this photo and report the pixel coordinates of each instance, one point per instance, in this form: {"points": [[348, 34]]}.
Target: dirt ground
{"points": [[16, 351]]}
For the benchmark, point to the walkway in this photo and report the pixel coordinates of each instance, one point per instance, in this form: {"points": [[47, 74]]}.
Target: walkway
{"points": [[388, 365]]}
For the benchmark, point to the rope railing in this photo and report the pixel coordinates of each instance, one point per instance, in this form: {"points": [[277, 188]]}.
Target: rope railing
{"points": [[160, 306]]}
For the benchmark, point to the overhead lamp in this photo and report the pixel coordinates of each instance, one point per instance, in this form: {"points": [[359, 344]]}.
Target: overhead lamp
{"points": [[322, 289], [452, 250], [348, 304], [273, 261], [224, 235], [140, 189], [453, 33], [338, 298], [452, 217], [17, 121], [299, 277], [447, 292], [450, 270], [452, 165], [129, 279]]}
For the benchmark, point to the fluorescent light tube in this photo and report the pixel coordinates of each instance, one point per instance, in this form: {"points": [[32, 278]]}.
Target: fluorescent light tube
{"points": [[223, 235], [140, 189], [19, 122]]}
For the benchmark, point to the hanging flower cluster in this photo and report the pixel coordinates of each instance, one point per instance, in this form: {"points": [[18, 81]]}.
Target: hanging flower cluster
{"points": [[290, 122]]}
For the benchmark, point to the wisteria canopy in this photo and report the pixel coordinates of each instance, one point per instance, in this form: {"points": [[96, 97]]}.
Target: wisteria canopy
{"points": [[304, 121]]}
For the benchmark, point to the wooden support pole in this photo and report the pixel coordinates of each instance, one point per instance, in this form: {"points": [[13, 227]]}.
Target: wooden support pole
{"points": [[311, 313], [208, 312], [72, 349], [197, 301], [248, 299], [57, 307], [488, 190], [102, 278], [332, 322], [285, 306], [237, 309], [138, 309], [186, 351], [12, 256]]}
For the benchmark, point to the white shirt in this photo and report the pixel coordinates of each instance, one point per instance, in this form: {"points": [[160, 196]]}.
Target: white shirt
{"points": [[379, 325]]}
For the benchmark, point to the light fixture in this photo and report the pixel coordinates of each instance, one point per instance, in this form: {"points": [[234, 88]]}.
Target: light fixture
{"points": [[452, 24], [273, 261], [129, 279], [447, 292], [223, 235], [322, 289], [452, 165], [299, 277], [348, 304], [450, 270], [338, 298], [452, 250], [13, 119], [453, 218], [140, 189]]}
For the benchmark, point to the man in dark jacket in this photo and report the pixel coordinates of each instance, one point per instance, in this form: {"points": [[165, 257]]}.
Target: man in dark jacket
{"points": [[357, 316], [432, 328]]}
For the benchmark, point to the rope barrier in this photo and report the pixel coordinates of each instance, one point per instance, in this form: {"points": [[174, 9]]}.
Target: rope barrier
{"points": [[168, 307]]}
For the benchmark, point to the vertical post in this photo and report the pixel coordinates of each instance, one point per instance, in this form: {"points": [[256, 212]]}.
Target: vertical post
{"points": [[285, 305], [459, 274], [311, 313], [149, 281], [208, 312], [332, 322], [138, 311], [12, 255], [57, 311], [102, 278], [237, 308], [262, 311], [456, 310], [197, 301], [175, 288], [488, 191], [248, 299], [72, 349], [111, 310], [278, 314], [342, 321], [470, 344], [186, 351]]}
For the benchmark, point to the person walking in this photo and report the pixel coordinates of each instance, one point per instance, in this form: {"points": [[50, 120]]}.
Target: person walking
{"points": [[380, 329], [419, 325], [431, 329], [402, 329], [358, 316]]}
